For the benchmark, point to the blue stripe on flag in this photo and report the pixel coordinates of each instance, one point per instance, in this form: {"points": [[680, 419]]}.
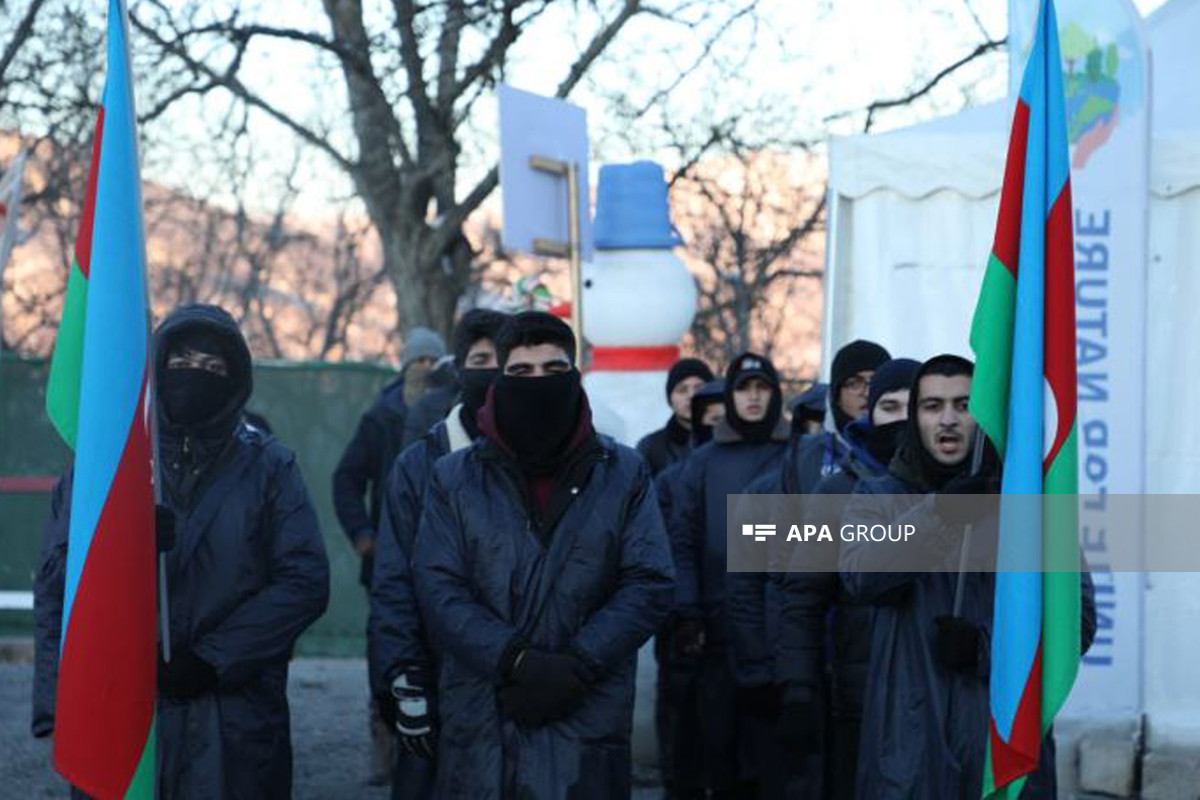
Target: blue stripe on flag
{"points": [[115, 337]]}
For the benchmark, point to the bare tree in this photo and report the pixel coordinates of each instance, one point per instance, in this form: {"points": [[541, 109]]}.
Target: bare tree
{"points": [[412, 75], [751, 222]]}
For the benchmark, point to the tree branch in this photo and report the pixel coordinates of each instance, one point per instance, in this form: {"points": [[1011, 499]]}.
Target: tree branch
{"points": [[599, 43], [230, 82], [24, 29], [916, 94]]}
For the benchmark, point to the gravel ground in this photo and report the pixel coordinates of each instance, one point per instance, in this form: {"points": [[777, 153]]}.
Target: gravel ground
{"points": [[329, 734]]}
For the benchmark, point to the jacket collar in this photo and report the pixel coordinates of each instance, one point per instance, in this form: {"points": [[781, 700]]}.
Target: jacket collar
{"points": [[724, 433]]}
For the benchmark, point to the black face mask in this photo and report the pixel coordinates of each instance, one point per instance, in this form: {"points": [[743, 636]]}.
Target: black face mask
{"points": [[474, 385], [537, 416], [192, 396], [881, 440]]}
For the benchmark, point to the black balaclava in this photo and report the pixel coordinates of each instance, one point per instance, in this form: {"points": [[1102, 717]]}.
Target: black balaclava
{"points": [[743, 368], [912, 462], [190, 396], [881, 440], [858, 356], [686, 368], [537, 417], [711, 393], [476, 324], [473, 388]]}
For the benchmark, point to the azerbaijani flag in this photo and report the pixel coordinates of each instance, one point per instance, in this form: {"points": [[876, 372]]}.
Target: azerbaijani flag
{"points": [[1024, 398], [104, 741]]}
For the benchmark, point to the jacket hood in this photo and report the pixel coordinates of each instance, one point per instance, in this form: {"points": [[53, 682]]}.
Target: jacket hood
{"points": [[214, 320], [912, 462]]}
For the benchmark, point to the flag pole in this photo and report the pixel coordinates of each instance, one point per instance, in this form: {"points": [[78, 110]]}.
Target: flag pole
{"points": [[976, 465]]}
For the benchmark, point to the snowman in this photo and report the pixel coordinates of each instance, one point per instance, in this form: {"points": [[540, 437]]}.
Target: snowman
{"points": [[638, 301]]}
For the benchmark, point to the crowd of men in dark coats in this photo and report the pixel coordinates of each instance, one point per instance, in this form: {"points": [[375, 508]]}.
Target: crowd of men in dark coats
{"points": [[516, 560]]}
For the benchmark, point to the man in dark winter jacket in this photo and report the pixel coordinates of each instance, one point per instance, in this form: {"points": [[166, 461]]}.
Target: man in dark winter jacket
{"points": [[247, 573], [362, 474], [362, 471], [661, 449], [926, 702], [813, 615], [403, 669], [850, 379], [541, 566], [746, 443], [676, 722], [672, 442]]}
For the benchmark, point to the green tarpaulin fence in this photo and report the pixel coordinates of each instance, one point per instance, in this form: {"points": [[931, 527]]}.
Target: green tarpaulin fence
{"points": [[312, 407]]}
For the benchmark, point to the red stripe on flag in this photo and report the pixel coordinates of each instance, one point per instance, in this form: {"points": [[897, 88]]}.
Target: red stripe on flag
{"points": [[1019, 756], [1007, 245], [1059, 342], [106, 680], [83, 244]]}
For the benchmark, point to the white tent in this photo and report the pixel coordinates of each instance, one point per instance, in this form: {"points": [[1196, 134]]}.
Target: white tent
{"points": [[912, 216]]}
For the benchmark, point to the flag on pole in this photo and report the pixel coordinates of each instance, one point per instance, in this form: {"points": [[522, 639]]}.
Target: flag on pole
{"points": [[1024, 397], [104, 740]]}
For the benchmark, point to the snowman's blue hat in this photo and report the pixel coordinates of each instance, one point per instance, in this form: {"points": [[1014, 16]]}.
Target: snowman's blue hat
{"points": [[632, 210]]}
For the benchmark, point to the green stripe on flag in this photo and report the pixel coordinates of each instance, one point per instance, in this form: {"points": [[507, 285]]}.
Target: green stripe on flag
{"points": [[66, 367], [1061, 602], [991, 339], [142, 787]]}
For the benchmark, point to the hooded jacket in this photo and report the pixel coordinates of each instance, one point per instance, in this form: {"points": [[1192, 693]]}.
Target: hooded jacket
{"points": [[363, 468], [592, 577], [724, 466], [924, 726], [248, 574]]}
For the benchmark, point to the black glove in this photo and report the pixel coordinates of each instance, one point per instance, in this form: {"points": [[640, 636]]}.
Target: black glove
{"points": [[760, 701], [545, 687], [687, 639], [412, 711], [387, 709], [956, 643], [801, 724], [955, 509], [164, 528], [186, 677]]}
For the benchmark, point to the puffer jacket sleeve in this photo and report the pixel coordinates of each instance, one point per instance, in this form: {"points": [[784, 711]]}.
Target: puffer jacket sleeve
{"points": [[1087, 622], [457, 623], [641, 598], [265, 626], [865, 565], [355, 471], [395, 633], [48, 588], [752, 648], [686, 528], [805, 603]]}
